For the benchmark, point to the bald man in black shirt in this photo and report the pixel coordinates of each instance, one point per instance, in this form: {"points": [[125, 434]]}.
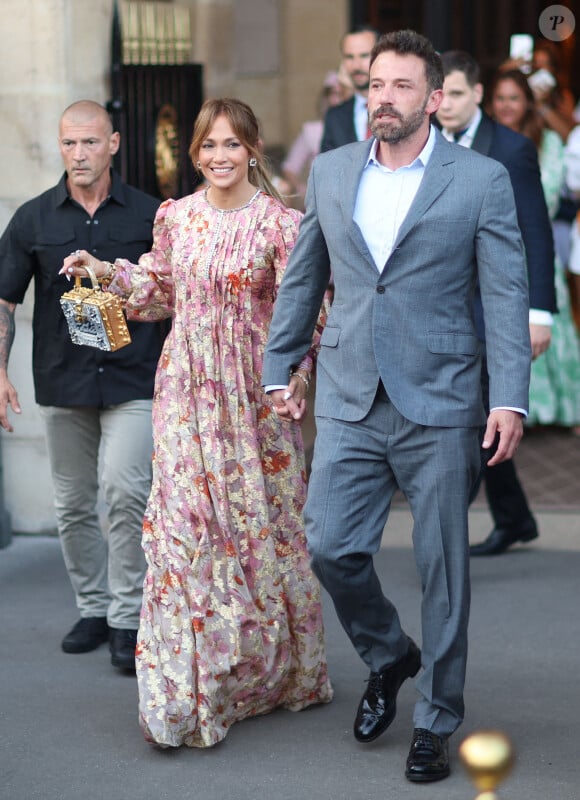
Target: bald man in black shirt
{"points": [[96, 405]]}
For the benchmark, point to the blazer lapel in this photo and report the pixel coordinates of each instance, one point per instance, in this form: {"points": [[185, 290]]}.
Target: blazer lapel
{"points": [[483, 138], [437, 176], [349, 179]]}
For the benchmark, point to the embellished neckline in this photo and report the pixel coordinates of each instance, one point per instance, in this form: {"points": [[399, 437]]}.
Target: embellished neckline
{"points": [[230, 210]]}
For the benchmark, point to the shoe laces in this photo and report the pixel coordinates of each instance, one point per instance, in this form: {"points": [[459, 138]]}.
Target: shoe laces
{"points": [[375, 682], [425, 740]]}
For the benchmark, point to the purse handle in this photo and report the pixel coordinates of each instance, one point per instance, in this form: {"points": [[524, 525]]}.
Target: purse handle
{"points": [[91, 273]]}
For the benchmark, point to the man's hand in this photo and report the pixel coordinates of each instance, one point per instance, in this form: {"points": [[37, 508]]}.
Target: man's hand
{"points": [[510, 427], [8, 397], [540, 338], [290, 403]]}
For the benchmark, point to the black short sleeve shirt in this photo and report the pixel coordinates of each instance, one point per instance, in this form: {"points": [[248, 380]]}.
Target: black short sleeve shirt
{"points": [[40, 235]]}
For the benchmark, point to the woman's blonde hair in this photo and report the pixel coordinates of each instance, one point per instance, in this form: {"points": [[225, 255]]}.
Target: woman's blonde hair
{"points": [[247, 129]]}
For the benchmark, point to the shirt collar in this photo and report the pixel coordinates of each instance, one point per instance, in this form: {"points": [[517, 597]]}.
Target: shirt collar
{"points": [[61, 191], [474, 124], [117, 192], [420, 161], [360, 101], [471, 129]]}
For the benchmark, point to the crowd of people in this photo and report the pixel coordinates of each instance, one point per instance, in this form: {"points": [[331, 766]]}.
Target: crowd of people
{"points": [[555, 379], [443, 241]]}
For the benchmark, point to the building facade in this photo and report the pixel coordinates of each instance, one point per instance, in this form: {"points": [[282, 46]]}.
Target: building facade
{"points": [[273, 54]]}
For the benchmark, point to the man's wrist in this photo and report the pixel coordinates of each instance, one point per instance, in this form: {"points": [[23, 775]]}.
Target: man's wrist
{"points": [[538, 316], [510, 408]]}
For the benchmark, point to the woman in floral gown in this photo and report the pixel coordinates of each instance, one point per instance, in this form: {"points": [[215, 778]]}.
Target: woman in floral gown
{"points": [[231, 624]]}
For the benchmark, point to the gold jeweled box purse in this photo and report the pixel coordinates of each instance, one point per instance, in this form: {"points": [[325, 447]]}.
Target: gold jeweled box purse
{"points": [[95, 318]]}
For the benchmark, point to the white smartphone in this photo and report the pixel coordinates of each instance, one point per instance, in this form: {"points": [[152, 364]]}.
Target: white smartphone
{"points": [[522, 46], [542, 80], [522, 49]]}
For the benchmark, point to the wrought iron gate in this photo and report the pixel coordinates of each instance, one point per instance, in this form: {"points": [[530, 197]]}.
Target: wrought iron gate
{"points": [[154, 104]]}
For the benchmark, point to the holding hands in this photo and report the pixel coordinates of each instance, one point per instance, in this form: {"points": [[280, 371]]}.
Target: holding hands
{"points": [[290, 403]]}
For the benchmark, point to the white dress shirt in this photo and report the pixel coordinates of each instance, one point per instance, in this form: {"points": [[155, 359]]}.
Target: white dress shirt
{"points": [[361, 117], [384, 198], [468, 135]]}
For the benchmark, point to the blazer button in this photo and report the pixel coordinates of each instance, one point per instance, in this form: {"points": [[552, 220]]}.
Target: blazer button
{"points": [[380, 289]]}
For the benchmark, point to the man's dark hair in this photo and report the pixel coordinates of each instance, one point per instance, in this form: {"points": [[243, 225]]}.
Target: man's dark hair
{"points": [[360, 29], [411, 43], [460, 61]]}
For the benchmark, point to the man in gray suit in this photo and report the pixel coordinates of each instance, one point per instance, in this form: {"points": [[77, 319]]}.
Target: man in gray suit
{"points": [[408, 223]]}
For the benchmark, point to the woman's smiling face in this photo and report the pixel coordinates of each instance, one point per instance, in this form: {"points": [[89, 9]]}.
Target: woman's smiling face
{"points": [[509, 104], [223, 158]]}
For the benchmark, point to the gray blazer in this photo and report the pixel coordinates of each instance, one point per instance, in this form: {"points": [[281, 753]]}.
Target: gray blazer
{"points": [[410, 325]]}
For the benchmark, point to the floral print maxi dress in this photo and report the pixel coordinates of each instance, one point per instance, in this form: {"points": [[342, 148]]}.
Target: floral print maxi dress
{"points": [[231, 624]]}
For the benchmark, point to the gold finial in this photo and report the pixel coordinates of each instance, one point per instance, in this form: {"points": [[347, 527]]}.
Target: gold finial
{"points": [[488, 757]]}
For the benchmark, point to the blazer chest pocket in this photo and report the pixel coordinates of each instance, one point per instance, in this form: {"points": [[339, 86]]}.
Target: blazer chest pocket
{"points": [[459, 343], [330, 337]]}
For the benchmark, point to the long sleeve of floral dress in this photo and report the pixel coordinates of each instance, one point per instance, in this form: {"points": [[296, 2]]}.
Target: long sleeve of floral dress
{"points": [[147, 288], [231, 622]]}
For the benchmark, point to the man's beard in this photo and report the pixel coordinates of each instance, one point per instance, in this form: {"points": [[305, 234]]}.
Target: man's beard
{"points": [[360, 81], [387, 132]]}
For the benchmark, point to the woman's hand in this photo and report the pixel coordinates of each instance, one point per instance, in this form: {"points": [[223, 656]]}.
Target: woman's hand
{"points": [[74, 265], [290, 403]]}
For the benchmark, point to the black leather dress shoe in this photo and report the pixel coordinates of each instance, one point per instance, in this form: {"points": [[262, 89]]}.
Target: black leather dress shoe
{"points": [[122, 646], [86, 635], [500, 539], [378, 705], [428, 758]]}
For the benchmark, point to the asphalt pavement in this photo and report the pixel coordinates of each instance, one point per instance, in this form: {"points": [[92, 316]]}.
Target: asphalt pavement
{"points": [[68, 723]]}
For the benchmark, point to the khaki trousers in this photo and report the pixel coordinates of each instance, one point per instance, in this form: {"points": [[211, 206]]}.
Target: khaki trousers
{"points": [[106, 568]]}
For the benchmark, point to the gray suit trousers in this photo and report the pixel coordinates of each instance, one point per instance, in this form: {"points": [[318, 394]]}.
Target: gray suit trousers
{"points": [[356, 469]]}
